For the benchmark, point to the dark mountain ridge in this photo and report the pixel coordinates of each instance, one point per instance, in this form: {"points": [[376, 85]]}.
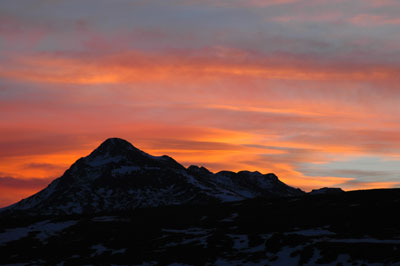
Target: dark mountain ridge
{"points": [[118, 176], [95, 215]]}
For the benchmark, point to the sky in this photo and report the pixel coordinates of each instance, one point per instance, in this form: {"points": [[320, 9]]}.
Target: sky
{"points": [[306, 89]]}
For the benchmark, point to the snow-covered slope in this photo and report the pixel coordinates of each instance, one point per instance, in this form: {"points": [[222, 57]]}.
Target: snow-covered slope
{"points": [[118, 176]]}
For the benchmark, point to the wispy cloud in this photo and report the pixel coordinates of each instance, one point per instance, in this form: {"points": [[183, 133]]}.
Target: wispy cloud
{"points": [[202, 65], [374, 20], [285, 86]]}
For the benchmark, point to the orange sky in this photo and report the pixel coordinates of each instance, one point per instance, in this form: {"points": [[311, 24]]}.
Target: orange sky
{"points": [[311, 95]]}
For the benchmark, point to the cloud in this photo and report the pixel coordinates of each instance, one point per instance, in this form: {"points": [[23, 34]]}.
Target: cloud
{"points": [[306, 18], [241, 3], [356, 185], [276, 86], [374, 20], [18, 183], [363, 174], [44, 166], [35, 145], [139, 68], [13, 189]]}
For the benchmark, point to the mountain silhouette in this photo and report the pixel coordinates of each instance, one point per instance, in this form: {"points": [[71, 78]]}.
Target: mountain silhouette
{"points": [[95, 214], [118, 176]]}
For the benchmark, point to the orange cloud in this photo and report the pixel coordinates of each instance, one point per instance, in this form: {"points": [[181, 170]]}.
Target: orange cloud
{"points": [[139, 68], [14, 189], [241, 93], [371, 185]]}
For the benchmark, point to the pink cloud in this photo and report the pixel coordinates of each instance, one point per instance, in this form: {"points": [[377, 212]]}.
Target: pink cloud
{"points": [[230, 90], [135, 67], [374, 20]]}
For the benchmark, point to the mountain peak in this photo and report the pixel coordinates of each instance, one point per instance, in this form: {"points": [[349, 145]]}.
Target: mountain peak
{"points": [[115, 144], [114, 141], [115, 147], [118, 176]]}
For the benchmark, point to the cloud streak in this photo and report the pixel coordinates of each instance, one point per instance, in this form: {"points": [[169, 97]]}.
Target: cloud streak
{"points": [[306, 89], [138, 68]]}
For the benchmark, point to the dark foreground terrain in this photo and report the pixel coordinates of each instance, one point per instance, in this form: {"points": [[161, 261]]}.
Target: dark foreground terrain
{"points": [[352, 228]]}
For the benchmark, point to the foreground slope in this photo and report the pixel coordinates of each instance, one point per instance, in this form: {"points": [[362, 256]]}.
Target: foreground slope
{"points": [[350, 228], [118, 176]]}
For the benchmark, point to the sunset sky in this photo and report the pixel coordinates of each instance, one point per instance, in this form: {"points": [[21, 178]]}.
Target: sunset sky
{"points": [[307, 89]]}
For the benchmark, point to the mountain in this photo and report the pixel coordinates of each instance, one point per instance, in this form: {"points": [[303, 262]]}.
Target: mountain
{"points": [[117, 176], [106, 193], [350, 228], [326, 190]]}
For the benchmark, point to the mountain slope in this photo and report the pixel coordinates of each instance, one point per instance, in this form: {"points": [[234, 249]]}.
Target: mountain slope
{"points": [[118, 176], [349, 228]]}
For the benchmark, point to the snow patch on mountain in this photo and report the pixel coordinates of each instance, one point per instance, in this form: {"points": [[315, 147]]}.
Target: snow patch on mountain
{"points": [[102, 160], [43, 230], [126, 170]]}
